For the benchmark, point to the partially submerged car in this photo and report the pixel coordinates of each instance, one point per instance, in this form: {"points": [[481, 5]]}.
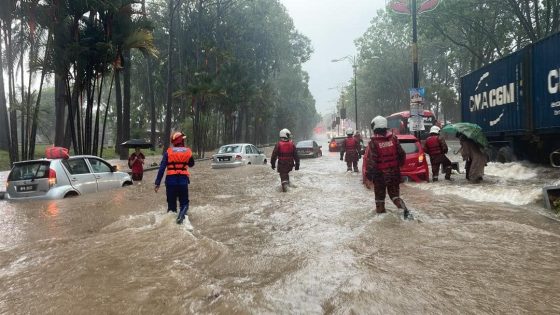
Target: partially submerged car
{"points": [[308, 148], [61, 178], [415, 166], [238, 154], [336, 144]]}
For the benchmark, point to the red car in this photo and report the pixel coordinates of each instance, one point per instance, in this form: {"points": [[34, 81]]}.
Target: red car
{"points": [[335, 144], [415, 166]]}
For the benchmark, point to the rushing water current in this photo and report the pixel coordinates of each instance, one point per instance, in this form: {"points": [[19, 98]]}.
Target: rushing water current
{"points": [[319, 248]]}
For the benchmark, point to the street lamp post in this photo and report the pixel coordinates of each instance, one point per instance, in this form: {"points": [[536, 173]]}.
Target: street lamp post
{"points": [[352, 60]]}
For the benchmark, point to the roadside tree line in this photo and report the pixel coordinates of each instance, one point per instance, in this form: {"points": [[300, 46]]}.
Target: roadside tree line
{"points": [[459, 36], [221, 70]]}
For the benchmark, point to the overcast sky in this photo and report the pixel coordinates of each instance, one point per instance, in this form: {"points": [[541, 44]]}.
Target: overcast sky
{"points": [[332, 26]]}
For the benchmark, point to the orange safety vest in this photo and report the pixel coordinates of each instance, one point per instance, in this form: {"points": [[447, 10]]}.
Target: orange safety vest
{"points": [[177, 160]]}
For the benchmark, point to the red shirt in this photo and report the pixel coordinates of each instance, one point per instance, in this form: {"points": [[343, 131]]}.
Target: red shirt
{"points": [[137, 167]]}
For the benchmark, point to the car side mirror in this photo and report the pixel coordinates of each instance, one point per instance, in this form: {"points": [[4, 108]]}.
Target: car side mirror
{"points": [[261, 151], [114, 168]]}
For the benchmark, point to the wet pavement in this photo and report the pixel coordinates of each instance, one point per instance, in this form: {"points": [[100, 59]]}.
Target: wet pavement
{"points": [[319, 248]]}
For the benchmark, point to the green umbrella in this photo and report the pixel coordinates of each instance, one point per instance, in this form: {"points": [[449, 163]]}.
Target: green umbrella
{"points": [[471, 131]]}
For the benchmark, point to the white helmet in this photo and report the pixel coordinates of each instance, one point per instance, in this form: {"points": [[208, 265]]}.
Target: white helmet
{"points": [[379, 122], [349, 131], [434, 129], [285, 133]]}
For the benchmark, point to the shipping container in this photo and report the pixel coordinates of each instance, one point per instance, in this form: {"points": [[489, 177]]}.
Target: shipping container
{"points": [[546, 85], [493, 96], [516, 102]]}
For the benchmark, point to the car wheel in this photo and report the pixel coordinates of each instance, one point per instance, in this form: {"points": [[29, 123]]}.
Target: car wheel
{"points": [[126, 184], [264, 162], [71, 194]]}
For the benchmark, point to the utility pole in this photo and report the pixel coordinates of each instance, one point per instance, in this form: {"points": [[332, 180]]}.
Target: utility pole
{"points": [[414, 13]]}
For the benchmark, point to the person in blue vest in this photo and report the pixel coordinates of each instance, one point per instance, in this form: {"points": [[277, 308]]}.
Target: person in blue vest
{"points": [[175, 163], [288, 159]]}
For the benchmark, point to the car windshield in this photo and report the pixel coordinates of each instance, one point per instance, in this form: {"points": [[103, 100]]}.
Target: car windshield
{"points": [[30, 170], [304, 144], [409, 147], [230, 149]]}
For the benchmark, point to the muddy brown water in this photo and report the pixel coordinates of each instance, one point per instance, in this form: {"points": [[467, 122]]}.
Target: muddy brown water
{"points": [[318, 248]]}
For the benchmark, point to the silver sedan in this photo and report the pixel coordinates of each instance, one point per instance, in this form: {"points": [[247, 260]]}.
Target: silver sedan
{"points": [[238, 154], [61, 178]]}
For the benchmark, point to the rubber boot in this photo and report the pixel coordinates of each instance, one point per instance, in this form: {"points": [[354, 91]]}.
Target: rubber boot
{"points": [[284, 186], [435, 179], [401, 205], [448, 173], [380, 207], [182, 215]]}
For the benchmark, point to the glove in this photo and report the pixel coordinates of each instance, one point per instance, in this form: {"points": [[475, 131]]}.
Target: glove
{"points": [[273, 166], [297, 167]]}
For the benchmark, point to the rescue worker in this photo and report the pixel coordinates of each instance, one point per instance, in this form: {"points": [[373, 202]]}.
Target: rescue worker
{"points": [[385, 156], [475, 158], [436, 148], [286, 154], [358, 137], [175, 163], [351, 147]]}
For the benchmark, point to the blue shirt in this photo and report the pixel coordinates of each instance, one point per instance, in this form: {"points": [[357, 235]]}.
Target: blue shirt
{"points": [[172, 180]]}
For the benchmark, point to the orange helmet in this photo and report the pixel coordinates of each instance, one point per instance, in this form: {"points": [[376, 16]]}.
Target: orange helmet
{"points": [[178, 137]]}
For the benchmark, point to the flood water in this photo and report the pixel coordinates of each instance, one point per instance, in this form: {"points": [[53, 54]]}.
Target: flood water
{"points": [[319, 248]]}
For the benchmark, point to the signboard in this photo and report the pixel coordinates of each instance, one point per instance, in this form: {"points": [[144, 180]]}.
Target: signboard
{"points": [[416, 123], [416, 120], [417, 95]]}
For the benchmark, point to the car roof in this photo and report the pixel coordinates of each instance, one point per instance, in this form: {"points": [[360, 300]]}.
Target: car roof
{"points": [[49, 160], [406, 137], [225, 145]]}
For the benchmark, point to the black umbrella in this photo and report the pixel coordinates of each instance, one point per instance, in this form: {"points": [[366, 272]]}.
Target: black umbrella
{"points": [[136, 143]]}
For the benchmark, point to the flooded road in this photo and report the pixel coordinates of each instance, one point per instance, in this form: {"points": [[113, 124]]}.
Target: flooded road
{"points": [[488, 248]]}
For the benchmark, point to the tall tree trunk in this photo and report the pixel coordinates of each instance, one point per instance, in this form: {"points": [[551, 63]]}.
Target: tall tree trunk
{"points": [[23, 107], [119, 105], [126, 103], [169, 92], [105, 118], [59, 109], [152, 101], [36, 113], [14, 152], [4, 121], [95, 143]]}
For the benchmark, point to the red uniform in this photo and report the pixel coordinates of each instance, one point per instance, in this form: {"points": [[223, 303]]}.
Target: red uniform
{"points": [[351, 147], [384, 159], [436, 148], [286, 154]]}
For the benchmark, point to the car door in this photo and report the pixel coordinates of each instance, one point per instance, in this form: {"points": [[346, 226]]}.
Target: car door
{"points": [[259, 158], [81, 177], [106, 179], [249, 154]]}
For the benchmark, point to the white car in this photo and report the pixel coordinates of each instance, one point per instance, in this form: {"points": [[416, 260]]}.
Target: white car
{"points": [[238, 154], [61, 178]]}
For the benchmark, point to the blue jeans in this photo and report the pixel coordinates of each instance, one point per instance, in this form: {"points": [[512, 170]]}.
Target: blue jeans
{"points": [[181, 192]]}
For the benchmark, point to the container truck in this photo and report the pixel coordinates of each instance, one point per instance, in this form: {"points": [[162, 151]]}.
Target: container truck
{"points": [[516, 101]]}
